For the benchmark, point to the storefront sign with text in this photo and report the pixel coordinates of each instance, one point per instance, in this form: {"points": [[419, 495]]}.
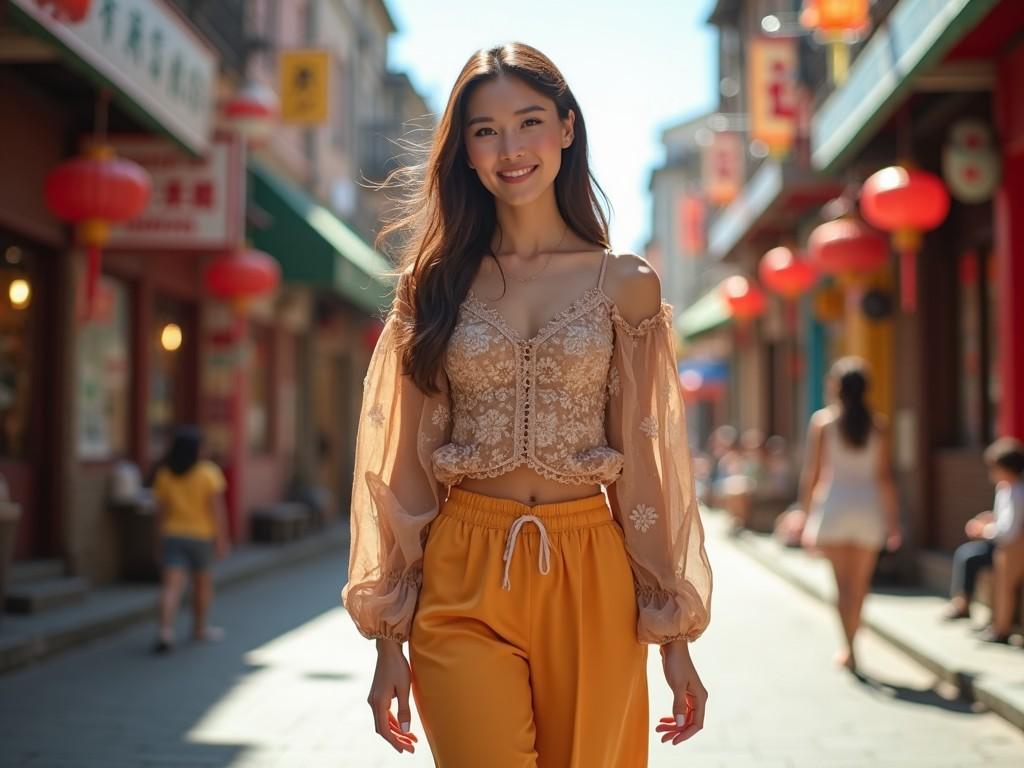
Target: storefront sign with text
{"points": [[196, 203], [149, 54]]}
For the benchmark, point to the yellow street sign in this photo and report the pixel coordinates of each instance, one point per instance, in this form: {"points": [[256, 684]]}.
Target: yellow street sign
{"points": [[304, 86]]}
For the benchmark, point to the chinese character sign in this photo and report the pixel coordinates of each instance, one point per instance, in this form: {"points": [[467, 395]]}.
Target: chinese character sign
{"points": [[149, 55], [722, 169], [304, 87], [773, 92], [196, 203]]}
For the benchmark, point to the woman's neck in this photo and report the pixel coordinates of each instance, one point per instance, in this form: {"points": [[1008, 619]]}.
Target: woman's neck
{"points": [[527, 230]]}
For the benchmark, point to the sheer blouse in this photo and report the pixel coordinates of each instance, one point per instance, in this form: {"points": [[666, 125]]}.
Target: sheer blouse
{"points": [[588, 399]]}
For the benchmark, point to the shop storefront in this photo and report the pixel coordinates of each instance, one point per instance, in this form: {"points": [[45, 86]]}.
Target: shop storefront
{"points": [[91, 388]]}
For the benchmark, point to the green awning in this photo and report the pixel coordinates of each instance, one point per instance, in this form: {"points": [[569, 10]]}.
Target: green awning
{"points": [[313, 245], [916, 35], [708, 312]]}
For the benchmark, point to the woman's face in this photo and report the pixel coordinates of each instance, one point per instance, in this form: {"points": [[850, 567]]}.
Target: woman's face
{"points": [[514, 139]]}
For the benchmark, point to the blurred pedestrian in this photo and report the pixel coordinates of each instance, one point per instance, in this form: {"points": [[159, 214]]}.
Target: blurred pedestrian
{"points": [[848, 492], [191, 529], [721, 442], [742, 468], [999, 530]]}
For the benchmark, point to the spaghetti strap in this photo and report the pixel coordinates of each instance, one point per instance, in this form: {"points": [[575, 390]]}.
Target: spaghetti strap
{"points": [[604, 263]]}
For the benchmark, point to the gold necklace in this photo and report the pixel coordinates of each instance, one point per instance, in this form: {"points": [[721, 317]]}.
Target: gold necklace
{"points": [[547, 261]]}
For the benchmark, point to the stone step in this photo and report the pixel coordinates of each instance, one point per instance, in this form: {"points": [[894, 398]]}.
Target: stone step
{"points": [[45, 594], [34, 570]]}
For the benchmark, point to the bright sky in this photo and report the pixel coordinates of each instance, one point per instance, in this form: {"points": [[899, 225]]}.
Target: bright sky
{"points": [[635, 66]]}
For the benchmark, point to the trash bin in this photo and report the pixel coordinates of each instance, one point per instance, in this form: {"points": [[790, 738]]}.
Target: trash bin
{"points": [[10, 513], [136, 520], [135, 511]]}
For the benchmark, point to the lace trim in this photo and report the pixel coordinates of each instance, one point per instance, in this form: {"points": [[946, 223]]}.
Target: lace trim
{"points": [[648, 592], [660, 318], [412, 577], [579, 306], [398, 637], [597, 476]]}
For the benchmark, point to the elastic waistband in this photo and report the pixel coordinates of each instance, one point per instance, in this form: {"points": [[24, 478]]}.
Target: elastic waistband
{"points": [[495, 512]]}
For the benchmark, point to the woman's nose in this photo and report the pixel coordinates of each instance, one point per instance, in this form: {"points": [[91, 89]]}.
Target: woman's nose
{"points": [[511, 147]]}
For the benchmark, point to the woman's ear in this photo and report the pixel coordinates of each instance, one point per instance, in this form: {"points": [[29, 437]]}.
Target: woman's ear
{"points": [[568, 129]]}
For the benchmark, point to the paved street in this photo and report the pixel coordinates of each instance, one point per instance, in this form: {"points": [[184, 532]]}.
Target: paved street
{"points": [[288, 688]]}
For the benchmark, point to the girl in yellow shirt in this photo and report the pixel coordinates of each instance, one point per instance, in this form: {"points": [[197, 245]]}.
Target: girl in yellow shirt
{"points": [[191, 528]]}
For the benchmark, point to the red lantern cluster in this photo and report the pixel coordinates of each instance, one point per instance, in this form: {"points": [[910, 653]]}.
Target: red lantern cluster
{"points": [[785, 274], [847, 246], [238, 276], [94, 191], [905, 202], [746, 301], [71, 11]]}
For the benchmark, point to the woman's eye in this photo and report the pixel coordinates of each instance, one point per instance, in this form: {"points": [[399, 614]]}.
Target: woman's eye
{"points": [[531, 120], [481, 131]]}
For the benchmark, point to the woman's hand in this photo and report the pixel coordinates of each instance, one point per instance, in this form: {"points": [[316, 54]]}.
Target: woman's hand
{"points": [[974, 528], [391, 680], [690, 695]]}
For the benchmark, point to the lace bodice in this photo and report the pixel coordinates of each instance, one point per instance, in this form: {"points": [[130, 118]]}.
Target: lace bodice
{"points": [[590, 398], [537, 401]]}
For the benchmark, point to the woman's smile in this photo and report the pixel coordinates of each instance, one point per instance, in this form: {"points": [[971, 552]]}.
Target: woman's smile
{"points": [[517, 175]]}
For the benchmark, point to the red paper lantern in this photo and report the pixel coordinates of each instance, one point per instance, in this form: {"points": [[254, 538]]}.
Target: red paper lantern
{"points": [[238, 276], [905, 202], [94, 191], [847, 246], [836, 16], [837, 23], [252, 111], [71, 11], [785, 274], [746, 301]]}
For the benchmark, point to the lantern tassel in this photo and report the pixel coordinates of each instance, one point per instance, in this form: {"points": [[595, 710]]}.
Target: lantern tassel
{"points": [[908, 279], [92, 275]]}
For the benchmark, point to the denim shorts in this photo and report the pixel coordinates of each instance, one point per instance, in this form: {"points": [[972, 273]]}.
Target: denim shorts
{"points": [[185, 552]]}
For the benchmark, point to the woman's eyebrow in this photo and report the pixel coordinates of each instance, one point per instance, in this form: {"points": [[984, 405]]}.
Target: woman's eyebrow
{"points": [[523, 111]]}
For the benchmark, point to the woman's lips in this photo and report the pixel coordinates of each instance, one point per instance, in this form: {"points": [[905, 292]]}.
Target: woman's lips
{"points": [[519, 177]]}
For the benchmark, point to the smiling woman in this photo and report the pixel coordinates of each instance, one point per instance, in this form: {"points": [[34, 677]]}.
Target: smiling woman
{"points": [[538, 414]]}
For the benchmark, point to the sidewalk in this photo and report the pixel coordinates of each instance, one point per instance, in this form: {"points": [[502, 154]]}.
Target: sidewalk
{"points": [[106, 609], [909, 619]]}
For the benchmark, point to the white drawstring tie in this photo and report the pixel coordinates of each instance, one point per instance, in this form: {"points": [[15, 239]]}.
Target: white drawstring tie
{"points": [[543, 561]]}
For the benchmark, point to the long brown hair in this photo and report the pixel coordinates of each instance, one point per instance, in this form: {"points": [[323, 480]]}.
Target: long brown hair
{"points": [[447, 218]]}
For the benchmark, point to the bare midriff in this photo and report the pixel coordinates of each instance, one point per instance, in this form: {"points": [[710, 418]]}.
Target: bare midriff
{"points": [[524, 485]]}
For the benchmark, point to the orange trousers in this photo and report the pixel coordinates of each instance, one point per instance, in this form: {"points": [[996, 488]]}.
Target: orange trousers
{"points": [[523, 648]]}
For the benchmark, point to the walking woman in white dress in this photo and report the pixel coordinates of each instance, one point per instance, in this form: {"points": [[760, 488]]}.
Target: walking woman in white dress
{"points": [[847, 488]]}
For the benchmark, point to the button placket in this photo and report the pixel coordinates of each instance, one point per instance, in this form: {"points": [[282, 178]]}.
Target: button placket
{"points": [[527, 365]]}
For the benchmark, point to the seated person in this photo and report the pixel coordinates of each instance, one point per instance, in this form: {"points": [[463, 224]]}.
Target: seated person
{"points": [[999, 528]]}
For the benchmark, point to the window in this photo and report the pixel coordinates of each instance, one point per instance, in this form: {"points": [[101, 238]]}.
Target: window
{"points": [[18, 320], [170, 346], [260, 413], [104, 375], [978, 348]]}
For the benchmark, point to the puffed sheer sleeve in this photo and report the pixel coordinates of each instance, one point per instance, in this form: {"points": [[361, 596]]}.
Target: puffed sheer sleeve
{"points": [[394, 493], [654, 500]]}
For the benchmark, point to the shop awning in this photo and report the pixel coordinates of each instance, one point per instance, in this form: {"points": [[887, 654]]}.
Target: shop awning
{"points": [[917, 34], [313, 245], [708, 312], [770, 204]]}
